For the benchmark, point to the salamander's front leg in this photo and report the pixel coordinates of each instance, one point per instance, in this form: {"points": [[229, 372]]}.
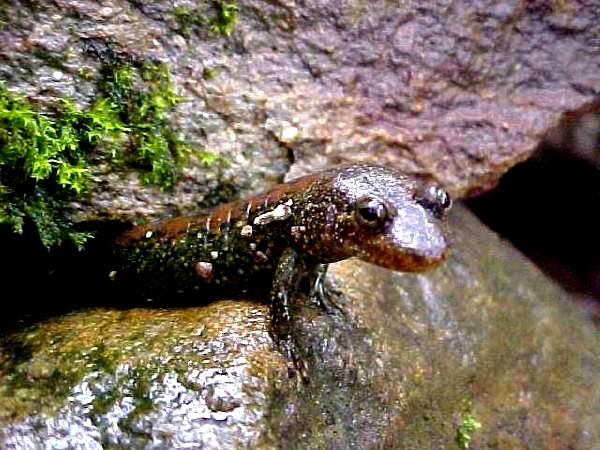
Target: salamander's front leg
{"points": [[292, 274], [290, 270]]}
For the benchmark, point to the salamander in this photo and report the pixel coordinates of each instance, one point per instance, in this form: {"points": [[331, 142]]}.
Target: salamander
{"points": [[284, 239]]}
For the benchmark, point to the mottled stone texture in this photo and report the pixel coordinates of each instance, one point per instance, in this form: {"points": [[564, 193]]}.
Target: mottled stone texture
{"points": [[460, 90], [410, 357], [180, 378]]}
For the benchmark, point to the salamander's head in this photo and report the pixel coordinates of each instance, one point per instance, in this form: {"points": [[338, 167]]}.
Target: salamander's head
{"points": [[384, 217]]}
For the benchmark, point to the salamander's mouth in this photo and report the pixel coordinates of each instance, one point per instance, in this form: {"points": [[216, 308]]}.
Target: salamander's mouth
{"points": [[407, 260]]}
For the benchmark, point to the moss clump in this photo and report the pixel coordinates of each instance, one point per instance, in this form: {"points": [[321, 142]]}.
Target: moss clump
{"points": [[187, 19], [222, 21], [3, 19], [209, 74], [45, 156], [467, 427], [42, 166], [153, 145]]}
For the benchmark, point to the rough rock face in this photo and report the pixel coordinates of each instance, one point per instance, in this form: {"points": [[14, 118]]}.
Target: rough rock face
{"points": [[460, 90], [409, 363]]}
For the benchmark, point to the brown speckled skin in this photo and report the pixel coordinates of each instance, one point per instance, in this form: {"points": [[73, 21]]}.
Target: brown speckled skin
{"points": [[302, 225], [411, 239]]}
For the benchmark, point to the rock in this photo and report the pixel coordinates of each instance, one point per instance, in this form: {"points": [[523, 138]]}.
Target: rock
{"points": [[462, 91], [577, 135], [409, 361], [180, 378]]}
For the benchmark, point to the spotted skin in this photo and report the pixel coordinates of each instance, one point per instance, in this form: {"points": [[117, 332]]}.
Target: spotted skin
{"points": [[289, 235]]}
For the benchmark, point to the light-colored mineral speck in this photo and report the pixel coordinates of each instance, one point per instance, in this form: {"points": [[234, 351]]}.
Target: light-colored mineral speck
{"points": [[148, 234], [204, 269], [246, 231], [297, 231], [281, 212], [288, 133]]}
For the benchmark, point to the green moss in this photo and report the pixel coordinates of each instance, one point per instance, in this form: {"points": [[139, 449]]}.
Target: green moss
{"points": [[42, 167], [45, 156], [100, 358], [32, 384], [141, 389], [468, 426], [40, 374], [187, 19], [3, 19], [225, 19], [154, 147], [104, 401], [209, 73], [222, 20], [86, 73], [208, 158]]}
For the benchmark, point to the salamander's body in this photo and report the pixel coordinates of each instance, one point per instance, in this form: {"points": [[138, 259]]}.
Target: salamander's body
{"points": [[377, 214]]}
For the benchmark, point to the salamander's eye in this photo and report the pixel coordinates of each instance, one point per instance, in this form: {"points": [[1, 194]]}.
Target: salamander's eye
{"points": [[370, 211], [434, 198]]}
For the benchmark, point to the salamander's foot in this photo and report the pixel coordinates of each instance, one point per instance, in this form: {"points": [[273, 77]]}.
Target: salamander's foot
{"points": [[322, 293], [296, 364]]}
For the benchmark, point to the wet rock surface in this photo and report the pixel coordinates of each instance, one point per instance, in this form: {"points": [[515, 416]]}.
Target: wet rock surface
{"points": [[403, 364], [460, 90], [181, 378]]}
